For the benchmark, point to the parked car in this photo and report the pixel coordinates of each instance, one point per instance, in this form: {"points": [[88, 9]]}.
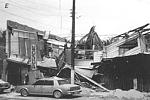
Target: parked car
{"points": [[50, 86], [4, 85]]}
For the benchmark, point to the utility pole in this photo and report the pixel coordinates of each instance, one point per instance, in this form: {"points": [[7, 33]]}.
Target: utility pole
{"points": [[73, 43], [60, 17]]}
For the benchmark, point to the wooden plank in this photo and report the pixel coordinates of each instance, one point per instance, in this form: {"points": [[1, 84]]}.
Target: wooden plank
{"points": [[92, 81]]}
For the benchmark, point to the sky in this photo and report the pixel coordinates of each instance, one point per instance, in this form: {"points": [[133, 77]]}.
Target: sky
{"points": [[111, 17]]}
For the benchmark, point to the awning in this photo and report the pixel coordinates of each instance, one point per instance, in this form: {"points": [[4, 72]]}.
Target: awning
{"points": [[56, 42], [48, 62], [18, 60]]}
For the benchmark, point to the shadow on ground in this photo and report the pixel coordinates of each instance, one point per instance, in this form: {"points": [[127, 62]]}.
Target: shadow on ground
{"points": [[50, 96]]}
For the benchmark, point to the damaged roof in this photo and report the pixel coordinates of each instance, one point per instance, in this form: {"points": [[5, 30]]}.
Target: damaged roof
{"points": [[134, 32], [89, 40], [16, 25]]}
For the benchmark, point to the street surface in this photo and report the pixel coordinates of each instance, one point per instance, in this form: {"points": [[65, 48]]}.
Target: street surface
{"points": [[17, 96], [85, 95]]}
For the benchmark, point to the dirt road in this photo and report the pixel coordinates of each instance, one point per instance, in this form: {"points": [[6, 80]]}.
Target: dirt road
{"points": [[17, 96]]}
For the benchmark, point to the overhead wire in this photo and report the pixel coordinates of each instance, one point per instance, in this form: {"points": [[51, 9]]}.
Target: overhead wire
{"points": [[43, 24], [36, 11], [22, 17], [25, 18], [17, 15], [39, 10], [29, 10], [31, 1]]}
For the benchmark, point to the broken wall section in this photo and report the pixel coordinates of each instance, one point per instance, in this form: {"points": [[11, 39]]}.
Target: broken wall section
{"points": [[126, 72]]}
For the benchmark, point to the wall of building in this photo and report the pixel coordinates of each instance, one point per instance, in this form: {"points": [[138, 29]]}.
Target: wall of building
{"points": [[15, 43], [19, 39], [2, 50], [133, 51], [121, 72], [113, 50]]}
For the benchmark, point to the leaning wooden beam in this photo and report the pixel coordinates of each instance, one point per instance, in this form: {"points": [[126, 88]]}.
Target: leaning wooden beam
{"points": [[92, 81], [139, 28], [134, 30]]}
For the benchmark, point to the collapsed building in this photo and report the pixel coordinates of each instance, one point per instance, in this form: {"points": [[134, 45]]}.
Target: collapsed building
{"points": [[30, 53], [125, 63], [87, 51]]}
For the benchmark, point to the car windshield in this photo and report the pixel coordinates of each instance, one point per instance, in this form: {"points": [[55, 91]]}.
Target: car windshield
{"points": [[61, 82]]}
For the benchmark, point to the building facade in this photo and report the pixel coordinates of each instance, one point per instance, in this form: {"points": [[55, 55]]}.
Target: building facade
{"points": [[130, 43], [2, 49], [125, 63], [19, 40]]}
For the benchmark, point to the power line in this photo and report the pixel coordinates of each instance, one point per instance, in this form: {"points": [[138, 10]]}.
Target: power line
{"points": [[30, 1], [25, 18], [21, 7], [22, 4], [18, 15], [60, 16], [35, 10]]}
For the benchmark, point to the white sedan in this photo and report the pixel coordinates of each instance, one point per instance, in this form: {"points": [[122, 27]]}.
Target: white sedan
{"points": [[50, 86]]}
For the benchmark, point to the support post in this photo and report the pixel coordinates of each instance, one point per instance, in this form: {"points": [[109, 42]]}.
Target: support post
{"points": [[73, 43]]}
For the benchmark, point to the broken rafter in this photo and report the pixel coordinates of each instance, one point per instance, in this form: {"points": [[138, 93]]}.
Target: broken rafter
{"points": [[134, 30], [92, 81], [139, 28], [144, 30]]}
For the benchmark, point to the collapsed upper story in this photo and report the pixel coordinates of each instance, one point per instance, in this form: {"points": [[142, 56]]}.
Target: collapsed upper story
{"points": [[130, 43], [20, 40], [55, 45]]}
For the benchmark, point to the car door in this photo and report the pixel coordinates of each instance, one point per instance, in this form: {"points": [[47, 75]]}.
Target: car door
{"points": [[48, 87], [36, 88]]}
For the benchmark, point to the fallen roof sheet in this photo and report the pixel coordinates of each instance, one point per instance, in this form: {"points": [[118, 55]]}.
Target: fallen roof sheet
{"points": [[90, 80]]}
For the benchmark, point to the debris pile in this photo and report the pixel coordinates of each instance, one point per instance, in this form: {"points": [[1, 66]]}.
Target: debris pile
{"points": [[87, 91], [131, 94]]}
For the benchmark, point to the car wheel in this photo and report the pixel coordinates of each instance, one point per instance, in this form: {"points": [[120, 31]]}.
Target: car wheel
{"points": [[57, 94], [24, 92]]}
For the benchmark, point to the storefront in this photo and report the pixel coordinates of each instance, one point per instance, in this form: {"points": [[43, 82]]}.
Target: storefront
{"points": [[16, 71]]}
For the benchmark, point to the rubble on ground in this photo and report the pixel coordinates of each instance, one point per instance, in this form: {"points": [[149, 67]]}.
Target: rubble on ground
{"points": [[130, 94], [86, 91]]}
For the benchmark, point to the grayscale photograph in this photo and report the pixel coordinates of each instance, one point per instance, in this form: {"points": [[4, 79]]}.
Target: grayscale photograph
{"points": [[74, 50]]}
